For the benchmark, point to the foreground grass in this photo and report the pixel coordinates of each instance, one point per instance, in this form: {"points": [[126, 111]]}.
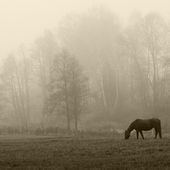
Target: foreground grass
{"points": [[61, 153]]}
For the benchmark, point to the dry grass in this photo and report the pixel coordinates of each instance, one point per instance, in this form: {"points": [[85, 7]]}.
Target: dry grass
{"points": [[61, 153]]}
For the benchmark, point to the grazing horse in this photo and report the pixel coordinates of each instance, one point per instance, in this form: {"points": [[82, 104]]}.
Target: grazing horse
{"points": [[144, 125]]}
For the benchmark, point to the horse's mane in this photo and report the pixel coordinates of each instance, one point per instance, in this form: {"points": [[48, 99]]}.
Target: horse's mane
{"points": [[132, 124]]}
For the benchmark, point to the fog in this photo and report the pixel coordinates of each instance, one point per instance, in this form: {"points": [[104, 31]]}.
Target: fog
{"points": [[22, 21], [83, 65]]}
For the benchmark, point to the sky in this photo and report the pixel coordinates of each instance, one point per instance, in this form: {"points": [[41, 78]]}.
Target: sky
{"points": [[22, 21]]}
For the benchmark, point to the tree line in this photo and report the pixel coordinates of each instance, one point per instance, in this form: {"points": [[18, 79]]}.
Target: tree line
{"points": [[93, 72]]}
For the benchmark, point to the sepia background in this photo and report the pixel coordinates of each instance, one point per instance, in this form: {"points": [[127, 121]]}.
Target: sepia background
{"points": [[91, 65]]}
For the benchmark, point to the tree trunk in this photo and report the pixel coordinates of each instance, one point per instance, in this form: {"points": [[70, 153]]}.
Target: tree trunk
{"points": [[75, 114], [155, 93], [117, 89], [68, 114]]}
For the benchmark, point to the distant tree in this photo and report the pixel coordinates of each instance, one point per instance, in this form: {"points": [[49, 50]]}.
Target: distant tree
{"points": [[155, 34], [25, 81], [79, 90], [59, 86], [139, 82], [43, 52], [4, 100], [68, 88], [95, 39], [146, 41], [15, 79]]}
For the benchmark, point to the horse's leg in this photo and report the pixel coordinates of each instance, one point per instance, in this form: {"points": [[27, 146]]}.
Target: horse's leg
{"points": [[159, 130], [142, 134], [137, 134], [160, 133], [156, 133]]}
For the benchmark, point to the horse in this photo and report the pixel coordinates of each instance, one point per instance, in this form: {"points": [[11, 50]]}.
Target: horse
{"points": [[144, 125]]}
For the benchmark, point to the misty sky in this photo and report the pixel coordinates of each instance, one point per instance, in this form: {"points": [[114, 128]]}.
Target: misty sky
{"points": [[22, 21]]}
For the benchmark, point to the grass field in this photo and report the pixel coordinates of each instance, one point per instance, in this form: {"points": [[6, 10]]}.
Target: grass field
{"points": [[63, 153]]}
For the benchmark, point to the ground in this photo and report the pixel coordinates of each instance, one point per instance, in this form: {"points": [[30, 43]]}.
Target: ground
{"points": [[32, 153]]}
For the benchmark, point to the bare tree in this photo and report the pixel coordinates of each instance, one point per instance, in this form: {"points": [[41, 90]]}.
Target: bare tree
{"points": [[67, 88], [43, 52], [16, 78], [79, 90]]}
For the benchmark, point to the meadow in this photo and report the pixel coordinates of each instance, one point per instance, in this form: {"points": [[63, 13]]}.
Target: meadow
{"points": [[48, 153]]}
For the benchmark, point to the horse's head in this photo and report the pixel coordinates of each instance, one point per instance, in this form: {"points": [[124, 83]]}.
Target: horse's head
{"points": [[127, 134]]}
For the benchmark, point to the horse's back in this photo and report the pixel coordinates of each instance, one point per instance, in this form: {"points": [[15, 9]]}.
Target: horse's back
{"points": [[153, 120], [146, 124]]}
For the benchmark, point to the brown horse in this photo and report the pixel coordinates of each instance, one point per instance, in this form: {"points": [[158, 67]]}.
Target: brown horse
{"points": [[144, 125]]}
